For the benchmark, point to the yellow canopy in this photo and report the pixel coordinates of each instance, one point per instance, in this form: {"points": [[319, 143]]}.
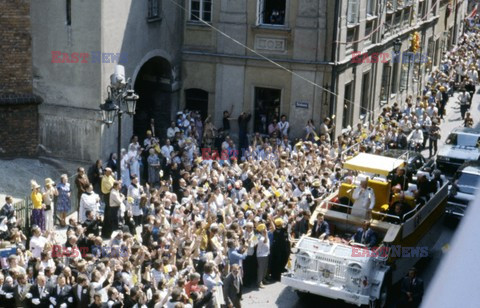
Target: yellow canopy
{"points": [[371, 163]]}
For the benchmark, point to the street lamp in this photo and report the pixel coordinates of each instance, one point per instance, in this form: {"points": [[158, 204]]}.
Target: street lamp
{"points": [[397, 45], [120, 93]]}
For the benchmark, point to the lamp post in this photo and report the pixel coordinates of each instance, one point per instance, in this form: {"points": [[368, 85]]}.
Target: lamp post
{"points": [[120, 95]]}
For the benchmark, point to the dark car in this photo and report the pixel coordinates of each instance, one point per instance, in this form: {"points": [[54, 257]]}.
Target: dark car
{"points": [[462, 145], [415, 162], [463, 188]]}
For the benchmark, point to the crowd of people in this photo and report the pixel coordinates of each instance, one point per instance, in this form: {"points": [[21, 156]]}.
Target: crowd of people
{"points": [[180, 228]]}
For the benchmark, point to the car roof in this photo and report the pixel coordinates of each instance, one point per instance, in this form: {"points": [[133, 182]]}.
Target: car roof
{"points": [[467, 130], [470, 167]]}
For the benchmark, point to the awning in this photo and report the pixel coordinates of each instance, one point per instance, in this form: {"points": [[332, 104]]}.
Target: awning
{"points": [[375, 164]]}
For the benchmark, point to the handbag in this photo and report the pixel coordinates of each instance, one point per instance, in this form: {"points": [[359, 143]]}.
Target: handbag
{"points": [[48, 207]]}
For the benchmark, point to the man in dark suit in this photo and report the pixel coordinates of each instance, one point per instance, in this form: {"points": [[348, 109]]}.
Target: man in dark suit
{"points": [[400, 178], [301, 226], [232, 288], [40, 293], [6, 293], [412, 290], [61, 293], [365, 235], [320, 227], [21, 292], [81, 296]]}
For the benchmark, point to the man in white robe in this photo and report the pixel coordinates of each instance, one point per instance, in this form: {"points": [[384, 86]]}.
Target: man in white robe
{"points": [[364, 200]]}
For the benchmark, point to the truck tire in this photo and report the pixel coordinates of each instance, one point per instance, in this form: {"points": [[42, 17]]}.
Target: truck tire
{"points": [[301, 294], [382, 301]]}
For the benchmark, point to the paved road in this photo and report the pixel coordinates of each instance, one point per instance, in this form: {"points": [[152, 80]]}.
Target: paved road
{"points": [[277, 295]]}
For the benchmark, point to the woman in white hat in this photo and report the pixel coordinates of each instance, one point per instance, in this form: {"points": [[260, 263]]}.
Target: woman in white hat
{"points": [[49, 193], [38, 214]]}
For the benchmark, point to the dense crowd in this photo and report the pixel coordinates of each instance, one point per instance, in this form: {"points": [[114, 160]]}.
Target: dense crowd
{"points": [[192, 218]]}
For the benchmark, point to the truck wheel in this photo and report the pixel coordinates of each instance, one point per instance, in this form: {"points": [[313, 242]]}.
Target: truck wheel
{"points": [[301, 295], [381, 302]]}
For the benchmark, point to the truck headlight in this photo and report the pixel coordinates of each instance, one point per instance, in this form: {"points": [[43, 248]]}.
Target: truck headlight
{"points": [[354, 270], [304, 259]]}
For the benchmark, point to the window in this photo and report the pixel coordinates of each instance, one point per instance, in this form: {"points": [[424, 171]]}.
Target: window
{"points": [[397, 19], [153, 9], [385, 82], [352, 12], [201, 10], [348, 106], [271, 12], [197, 100], [371, 8], [69, 12], [394, 85], [368, 29], [421, 9], [404, 77], [391, 5], [406, 17], [366, 94]]}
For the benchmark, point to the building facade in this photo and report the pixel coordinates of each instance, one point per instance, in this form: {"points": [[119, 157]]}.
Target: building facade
{"points": [[313, 45], [266, 57], [142, 36]]}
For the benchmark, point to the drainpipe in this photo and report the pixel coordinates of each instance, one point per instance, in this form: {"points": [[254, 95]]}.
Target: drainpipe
{"points": [[333, 98]]}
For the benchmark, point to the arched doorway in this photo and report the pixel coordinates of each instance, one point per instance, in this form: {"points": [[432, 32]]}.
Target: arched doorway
{"points": [[197, 100], [154, 87]]}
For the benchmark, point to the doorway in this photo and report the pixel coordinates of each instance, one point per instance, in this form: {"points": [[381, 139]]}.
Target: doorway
{"points": [[267, 108], [153, 86]]}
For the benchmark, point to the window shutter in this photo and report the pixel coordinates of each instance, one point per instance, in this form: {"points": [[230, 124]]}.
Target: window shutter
{"points": [[260, 10]]}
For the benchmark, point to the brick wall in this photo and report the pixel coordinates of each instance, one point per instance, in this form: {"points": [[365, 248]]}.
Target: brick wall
{"points": [[19, 128], [15, 47], [18, 106]]}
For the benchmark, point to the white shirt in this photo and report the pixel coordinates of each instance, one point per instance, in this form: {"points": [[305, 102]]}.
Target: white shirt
{"points": [[416, 136], [37, 243], [263, 249], [171, 132], [88, 202], [283, 126], [135, 193], [167, 150]]}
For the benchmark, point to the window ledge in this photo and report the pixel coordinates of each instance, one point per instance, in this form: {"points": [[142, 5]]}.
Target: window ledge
{"points": [[272, 27], [392, 96], [371, 17], [154, 19], [195, 23], [351, 26]]}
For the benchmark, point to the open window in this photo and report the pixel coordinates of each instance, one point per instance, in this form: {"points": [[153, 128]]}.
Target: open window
{"points": [[201, 10], [271, 12]]}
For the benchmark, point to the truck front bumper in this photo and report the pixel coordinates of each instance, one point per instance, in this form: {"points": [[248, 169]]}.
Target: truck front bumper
{"points": [[325, 290]]}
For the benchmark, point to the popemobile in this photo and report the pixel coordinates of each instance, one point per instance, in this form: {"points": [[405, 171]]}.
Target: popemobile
{"points": [[359, 272]]}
